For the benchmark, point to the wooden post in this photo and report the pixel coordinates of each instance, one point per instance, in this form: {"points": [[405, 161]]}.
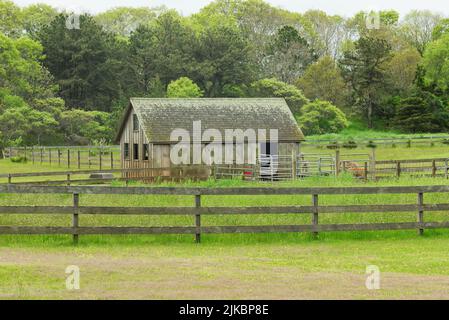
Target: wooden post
{"points": [[372, 168], [68, 179], [112, 159], [68, 158], [59, 157], [88, 157], [79, 159], [294, 159], [76, 201], [420, 212], [337, 162], [365, 173], [100, 158], [398, 169], [49, 155], [42, 153], [198, 219], [315, 213], [26, 153], [9, 178], [32, 155], [434, 168]]}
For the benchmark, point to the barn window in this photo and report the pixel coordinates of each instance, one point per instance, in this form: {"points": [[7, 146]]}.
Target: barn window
{"points": [[146, 152], [126, 151], [135, 122], [136, 151]]}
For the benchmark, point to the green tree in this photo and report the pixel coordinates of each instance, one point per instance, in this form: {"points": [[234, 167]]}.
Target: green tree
{"points": [[124, 20], [37, 16], [289, 54], [82, 62], [422, 112], [417, 28], [436, 63], [274, 88], [184, 88], [11, 19], [323, 80], [440, 29], [320, 117], [364, 69]]}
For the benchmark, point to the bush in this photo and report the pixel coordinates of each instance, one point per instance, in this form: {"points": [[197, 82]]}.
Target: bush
{"points": [[184, 88], [18, 159], [351, 144], [320, 117]]}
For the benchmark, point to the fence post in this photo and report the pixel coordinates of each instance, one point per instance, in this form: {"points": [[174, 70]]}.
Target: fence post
{"points": [[68, 179], [49, 155], [434, 169], [112, 159], [26, 153], [59, 157], [315, 213], [68, 158], [337, 162], [99, 157], [42, 153], [420, 212], [398, 169], [79, 160], [76, 201], [198, 219], [365, 173], [9, 178], [32, 154]]}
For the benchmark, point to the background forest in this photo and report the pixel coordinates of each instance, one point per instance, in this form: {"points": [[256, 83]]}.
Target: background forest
{"points": [[65, 78]]}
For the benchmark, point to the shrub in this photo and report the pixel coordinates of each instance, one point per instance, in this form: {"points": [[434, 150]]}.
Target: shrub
{"points": [[184, 88], [351, 144], [320, 117], [18, 159]]}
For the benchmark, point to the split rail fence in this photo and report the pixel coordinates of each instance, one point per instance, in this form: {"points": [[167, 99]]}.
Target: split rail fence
{"points": [[198, 210]]}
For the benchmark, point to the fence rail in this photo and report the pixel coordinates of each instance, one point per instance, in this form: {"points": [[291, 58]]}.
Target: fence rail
{"points": [[197, 210]]}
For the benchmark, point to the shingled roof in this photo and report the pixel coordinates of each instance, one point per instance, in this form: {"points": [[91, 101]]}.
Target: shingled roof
{"points": [[158, 117]]}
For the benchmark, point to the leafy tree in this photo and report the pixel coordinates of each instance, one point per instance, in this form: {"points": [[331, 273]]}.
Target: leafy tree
{"points": [[364, 69], [11, 19], [163, 49], [417, 28], [275, 88], [326, 33], [36, 16], [84, 127], [183, 88], [422, 112], [289, 55], [402, 69], [320, 117], [323, 80], [222, 57], [82, 62], [440, 29], [436, 63], [124, 20]]}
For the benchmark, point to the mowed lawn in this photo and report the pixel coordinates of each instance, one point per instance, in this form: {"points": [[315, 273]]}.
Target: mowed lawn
{"points": [[235, 266]]}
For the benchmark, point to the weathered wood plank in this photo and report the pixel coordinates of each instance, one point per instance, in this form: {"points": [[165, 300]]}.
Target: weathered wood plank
{"points": [[219, 191]]}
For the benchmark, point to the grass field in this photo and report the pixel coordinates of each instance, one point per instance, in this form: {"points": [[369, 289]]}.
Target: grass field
{"points": [[263, 266]]}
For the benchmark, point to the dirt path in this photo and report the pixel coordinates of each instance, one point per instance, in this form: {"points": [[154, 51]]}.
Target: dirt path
{"points": [[150, 274]]}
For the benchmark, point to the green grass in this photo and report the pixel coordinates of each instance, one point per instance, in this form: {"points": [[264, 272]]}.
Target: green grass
{"points": [[234, 266]]}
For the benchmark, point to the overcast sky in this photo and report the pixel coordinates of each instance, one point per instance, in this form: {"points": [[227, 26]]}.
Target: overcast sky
{"points": [[341, 7]]}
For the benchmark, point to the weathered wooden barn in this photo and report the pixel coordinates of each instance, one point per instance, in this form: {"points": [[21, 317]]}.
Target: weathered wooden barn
{"points": [[147, 126]]}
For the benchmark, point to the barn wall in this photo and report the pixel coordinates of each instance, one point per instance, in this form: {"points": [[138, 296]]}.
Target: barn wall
{"points": [[134, 137]]}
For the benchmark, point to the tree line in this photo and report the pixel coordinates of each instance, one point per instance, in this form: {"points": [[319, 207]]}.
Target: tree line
{"points": [[65, 79]]}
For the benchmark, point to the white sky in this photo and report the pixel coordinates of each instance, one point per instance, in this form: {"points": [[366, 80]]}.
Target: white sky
{"points": [[341, 7]]}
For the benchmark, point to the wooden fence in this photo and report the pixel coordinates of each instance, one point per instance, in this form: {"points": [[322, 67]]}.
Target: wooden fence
{"points": [[101, 157], [197, 210]]}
